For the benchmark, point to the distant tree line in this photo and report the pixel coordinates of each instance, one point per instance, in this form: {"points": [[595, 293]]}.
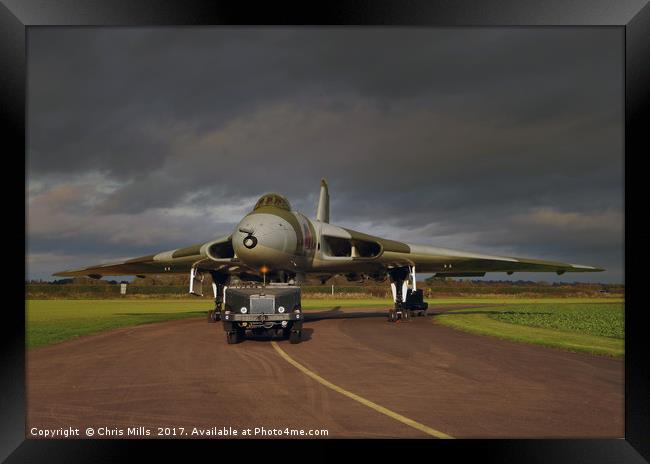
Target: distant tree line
{"points": [[338, 281], [178, 285]]}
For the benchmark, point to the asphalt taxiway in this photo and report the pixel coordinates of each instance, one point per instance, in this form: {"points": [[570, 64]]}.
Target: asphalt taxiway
{"points": [[355, 375]]}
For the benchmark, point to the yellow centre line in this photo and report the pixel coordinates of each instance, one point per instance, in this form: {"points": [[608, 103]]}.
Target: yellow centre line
{"points": [[365, 402]]}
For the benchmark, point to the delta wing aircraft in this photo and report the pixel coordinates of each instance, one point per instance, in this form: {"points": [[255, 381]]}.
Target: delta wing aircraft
{"points": [[275, 244]]}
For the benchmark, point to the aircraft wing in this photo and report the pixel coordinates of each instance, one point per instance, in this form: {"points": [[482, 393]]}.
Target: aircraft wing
{"points": [[452, 263], [446, 262], [213, 255]]}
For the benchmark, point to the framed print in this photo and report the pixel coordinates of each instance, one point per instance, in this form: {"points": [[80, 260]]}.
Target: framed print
{"points": [[288, 226]]}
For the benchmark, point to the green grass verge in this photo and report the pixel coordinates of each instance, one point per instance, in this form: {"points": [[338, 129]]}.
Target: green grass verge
{"points": [[53, 321], [587, 327], [604, 320], [519, 300]]}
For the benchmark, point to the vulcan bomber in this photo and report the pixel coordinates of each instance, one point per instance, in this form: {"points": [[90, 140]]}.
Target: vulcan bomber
{"points": [[273, 248]]}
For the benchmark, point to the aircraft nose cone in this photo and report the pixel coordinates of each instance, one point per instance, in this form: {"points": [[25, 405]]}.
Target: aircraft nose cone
{"points": [[264, 240]]}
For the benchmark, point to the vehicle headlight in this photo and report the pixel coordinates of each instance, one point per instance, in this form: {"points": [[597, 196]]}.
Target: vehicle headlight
{"points": [[244, 309], [281, 309]]}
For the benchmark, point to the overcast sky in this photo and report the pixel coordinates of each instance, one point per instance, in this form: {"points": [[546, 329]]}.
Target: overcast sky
{"points": [[496, 140]]}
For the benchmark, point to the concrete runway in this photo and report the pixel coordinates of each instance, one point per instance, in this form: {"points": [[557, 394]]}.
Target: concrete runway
{"points": [[183, 374]]}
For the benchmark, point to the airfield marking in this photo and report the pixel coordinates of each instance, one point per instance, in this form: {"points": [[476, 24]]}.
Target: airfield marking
{"points": [[355, 397]]}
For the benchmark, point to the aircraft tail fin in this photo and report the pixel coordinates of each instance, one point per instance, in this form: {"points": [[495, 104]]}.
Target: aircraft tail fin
{"points": [[323, 212]]}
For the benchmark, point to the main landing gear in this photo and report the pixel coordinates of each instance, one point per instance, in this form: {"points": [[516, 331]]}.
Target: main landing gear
{"points": [[219, 282], [408, 302]]}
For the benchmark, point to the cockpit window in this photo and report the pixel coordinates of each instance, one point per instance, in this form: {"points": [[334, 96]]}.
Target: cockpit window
{"points": [[273, 199]]}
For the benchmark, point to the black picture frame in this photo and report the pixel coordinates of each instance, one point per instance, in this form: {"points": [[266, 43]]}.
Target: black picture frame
{"points": [[632, 15]]}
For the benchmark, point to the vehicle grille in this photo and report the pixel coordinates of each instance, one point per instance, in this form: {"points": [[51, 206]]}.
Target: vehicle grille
{"points": [[262, 305]]}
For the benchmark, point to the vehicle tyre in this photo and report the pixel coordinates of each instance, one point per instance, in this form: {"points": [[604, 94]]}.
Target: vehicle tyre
{"points": [[232, 337], [295, 337]]}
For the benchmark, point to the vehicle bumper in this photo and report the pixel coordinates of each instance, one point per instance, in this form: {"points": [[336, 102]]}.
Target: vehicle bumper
{"points": [[238, 317]]}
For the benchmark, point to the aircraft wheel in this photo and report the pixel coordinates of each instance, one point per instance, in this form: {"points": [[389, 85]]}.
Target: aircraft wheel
{"points": [[392, 316]]}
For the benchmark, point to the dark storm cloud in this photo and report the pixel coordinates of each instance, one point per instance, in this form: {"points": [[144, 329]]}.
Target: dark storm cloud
{"points": [[494, 139]]}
